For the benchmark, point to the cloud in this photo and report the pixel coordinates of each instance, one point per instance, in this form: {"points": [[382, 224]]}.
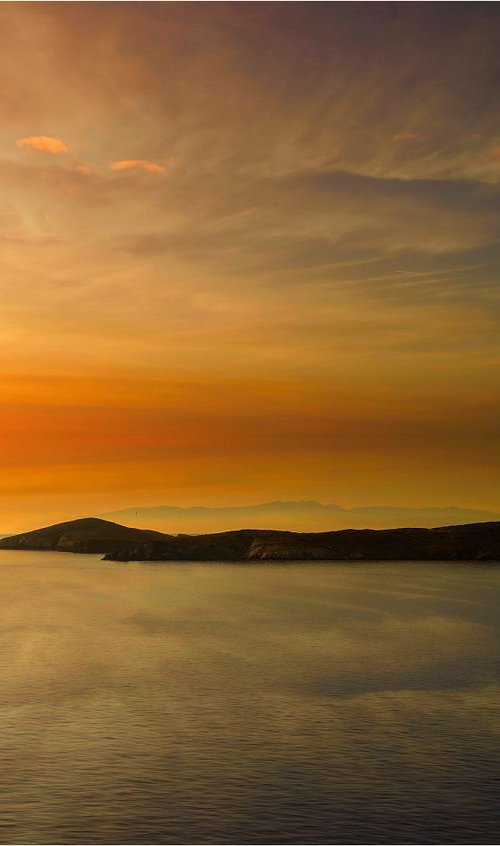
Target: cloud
{"points": [[492, 155], [335, 226], [138, 164], [86, 170], [412, 137], [308, 227], [43, 144]]}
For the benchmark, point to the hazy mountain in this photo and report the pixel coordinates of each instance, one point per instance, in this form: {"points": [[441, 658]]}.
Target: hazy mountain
{"points": [[306, 516], [478, 541]]}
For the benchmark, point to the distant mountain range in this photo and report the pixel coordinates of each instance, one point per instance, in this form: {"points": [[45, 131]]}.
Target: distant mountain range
{"points": [[308, 516], [477, 541]]}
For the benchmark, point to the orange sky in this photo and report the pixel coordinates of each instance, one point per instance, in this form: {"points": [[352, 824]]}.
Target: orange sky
{"points": [[248, 252]]}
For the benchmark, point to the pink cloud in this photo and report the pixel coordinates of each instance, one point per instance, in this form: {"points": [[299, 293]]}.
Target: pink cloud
{"points": [[43, 144], [138, 164]]}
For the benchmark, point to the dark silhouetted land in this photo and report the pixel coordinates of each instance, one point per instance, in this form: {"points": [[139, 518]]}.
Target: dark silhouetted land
{"points": [[88, 535], [476, 541]]}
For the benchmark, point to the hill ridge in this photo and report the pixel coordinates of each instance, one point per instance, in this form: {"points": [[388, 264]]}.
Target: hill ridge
{"points": [[473, 541]]}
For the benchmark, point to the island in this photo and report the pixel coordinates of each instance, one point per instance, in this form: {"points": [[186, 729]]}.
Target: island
{"points": [[471, 542]]}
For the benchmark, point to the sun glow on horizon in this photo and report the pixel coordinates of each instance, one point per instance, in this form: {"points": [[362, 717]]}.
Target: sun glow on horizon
{"points": [[251, 261]]}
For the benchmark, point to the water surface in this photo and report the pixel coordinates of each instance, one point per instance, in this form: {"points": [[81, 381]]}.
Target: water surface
{"points": [[205, 703]]}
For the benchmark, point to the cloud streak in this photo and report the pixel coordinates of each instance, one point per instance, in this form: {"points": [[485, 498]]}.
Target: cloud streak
{"points": [[137, 164]]}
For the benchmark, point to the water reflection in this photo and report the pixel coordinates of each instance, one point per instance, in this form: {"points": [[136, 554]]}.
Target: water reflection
{"points": [[209, 704]]}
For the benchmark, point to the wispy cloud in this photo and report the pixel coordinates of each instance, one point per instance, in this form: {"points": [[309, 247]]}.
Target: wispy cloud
{"points": [[84, 169], [43, 144], [409, 136], [332, 213], [138, 164], [493, 154]]}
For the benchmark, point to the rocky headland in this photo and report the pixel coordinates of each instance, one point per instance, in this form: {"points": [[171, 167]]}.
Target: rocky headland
{"points": [[475, 541]]}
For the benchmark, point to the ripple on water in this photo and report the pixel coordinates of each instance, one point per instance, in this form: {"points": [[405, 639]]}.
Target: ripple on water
{"points": [[192, 704]]}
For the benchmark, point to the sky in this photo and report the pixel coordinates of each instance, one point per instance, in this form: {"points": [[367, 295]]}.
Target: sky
{"points": [[248, 251]]}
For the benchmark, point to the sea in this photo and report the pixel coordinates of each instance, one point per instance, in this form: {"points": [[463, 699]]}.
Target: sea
{"points": [[188, 703]]}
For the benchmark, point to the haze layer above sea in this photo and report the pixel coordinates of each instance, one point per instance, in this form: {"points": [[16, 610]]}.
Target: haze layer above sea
{"points": [[295, 516]]}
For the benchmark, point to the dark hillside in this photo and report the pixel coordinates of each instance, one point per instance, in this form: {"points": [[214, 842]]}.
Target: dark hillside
{"points": [[89, 535], [476, 541]]}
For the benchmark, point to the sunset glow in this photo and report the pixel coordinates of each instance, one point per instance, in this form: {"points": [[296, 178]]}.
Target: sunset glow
{"points": [[248, 252]]}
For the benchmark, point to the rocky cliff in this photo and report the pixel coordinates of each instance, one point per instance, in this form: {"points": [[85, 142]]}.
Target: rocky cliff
{"points": [[477, 541]]}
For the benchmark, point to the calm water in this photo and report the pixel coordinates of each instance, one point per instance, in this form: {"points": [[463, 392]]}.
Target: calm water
{"points": [[250, 704]]}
